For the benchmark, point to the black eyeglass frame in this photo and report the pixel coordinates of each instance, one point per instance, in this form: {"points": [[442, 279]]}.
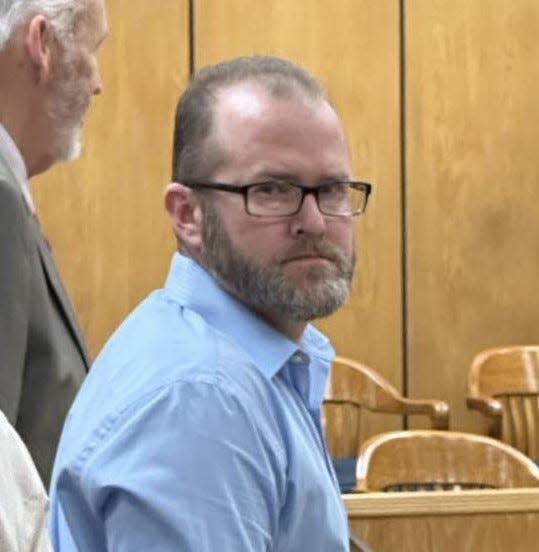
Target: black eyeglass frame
{"points": [[243, 189]]}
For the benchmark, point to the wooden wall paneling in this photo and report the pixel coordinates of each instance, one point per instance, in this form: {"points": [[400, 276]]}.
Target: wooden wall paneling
{"points": [[104, 213], [352, 46], [472, 125]]}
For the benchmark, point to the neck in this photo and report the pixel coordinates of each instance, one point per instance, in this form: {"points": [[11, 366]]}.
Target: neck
{"points": [[291, 329]]}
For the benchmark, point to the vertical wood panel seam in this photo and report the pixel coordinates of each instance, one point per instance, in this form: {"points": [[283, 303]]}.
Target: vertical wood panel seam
{"points": [[402, 138], [192, 57]]}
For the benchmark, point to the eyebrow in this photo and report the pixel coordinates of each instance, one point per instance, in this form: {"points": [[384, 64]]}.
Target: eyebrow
{"points": [[269, 175], [265, 176]]}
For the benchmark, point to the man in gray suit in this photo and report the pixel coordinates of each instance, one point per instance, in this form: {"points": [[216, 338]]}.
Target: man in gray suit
{"points": [[48, 75]]}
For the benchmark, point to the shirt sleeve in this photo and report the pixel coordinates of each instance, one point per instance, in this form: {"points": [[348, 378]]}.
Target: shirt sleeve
{"points": [[193, 468], [14, 297], [24, 508]]}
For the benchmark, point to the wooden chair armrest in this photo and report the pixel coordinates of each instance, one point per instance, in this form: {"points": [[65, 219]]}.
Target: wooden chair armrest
{"points": [[358, 384], [488, 406], [437, 411]]}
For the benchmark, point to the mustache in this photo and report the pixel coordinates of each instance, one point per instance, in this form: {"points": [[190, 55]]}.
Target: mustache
{"points": [[314, 248]]}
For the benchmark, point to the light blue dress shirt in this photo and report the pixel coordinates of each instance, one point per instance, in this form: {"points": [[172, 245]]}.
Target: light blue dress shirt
{"points": [[198, 429]]}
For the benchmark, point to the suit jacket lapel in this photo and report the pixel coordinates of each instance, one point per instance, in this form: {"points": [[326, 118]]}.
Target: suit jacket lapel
{"points": [[53, 278], [51, 274]]}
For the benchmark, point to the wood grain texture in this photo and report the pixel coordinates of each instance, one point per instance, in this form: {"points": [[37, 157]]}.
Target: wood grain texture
{"points": [[441, 503], [498, 520], [426, 459], [472, 120], [352, 46], [503, 384], [104, 213], [353, 390]]}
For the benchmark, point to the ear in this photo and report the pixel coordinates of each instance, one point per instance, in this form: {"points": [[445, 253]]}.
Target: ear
{"points": [[185, 215], [38, 42]]}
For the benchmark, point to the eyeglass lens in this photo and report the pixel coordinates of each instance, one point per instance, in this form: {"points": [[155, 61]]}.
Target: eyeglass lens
{"points": [[284, 198]]}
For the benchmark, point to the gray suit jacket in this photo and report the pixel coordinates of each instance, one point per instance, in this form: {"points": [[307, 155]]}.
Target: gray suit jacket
{"points": [[43, 359]]}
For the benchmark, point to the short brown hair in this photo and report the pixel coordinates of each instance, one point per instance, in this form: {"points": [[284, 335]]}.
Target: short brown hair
{"points": [[192, 155]]}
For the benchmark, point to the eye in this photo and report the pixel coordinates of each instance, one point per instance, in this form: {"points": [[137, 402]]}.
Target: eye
{"points": [[272, 188], [333, 190]]}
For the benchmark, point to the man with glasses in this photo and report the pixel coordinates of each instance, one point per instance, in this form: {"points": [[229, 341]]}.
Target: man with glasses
{"points": [[199, 426]]}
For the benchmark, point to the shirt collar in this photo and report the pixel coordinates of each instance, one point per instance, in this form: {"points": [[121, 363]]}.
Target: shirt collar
{"points": [[11, 153], [190, 285]]}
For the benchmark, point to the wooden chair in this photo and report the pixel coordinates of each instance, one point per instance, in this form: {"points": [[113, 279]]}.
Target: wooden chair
{"points": [[504, 385], [353, 386], [357, 544], [441, 460]]}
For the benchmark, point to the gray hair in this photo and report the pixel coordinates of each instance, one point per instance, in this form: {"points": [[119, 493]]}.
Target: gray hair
{"points": [[193, 155], [60, 13]]}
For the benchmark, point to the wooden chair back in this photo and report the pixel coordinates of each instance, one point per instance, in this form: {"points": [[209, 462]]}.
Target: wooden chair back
{"points": [[353, 386], [504, 385], [441, 460]]}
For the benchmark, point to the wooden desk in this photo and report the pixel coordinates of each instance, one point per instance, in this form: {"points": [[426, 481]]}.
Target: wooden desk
{"points": [[454, 521]]}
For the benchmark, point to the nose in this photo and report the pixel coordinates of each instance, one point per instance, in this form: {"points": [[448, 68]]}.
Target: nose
{"points": [[309, 219], [97, 83]]}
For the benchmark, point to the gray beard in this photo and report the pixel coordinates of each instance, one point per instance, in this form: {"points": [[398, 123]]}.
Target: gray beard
{"points": [[66, 111], [265, 288]]}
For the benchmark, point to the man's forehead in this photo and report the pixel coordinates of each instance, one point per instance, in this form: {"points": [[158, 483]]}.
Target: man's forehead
{"points": [[245, 98], [248, 100], [250, 121]]}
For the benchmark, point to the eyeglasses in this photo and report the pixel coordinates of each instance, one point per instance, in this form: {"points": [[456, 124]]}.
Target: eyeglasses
{"points": [[281, 198]]}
